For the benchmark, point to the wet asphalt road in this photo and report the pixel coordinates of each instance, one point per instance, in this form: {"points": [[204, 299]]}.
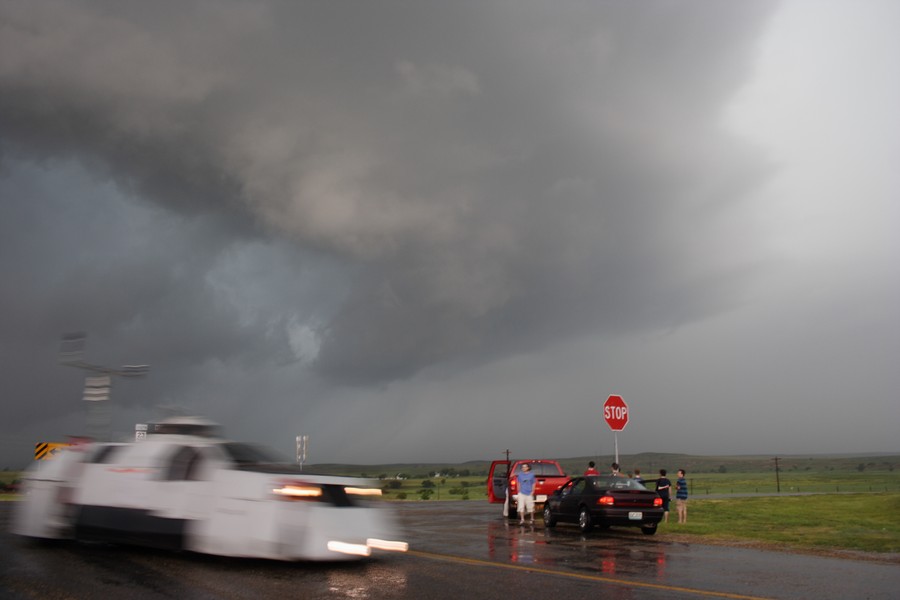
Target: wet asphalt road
{"points": [[458, 550]]}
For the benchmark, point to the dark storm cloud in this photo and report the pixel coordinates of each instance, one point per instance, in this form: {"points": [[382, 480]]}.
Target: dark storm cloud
{"points": [[140, 296], [601, 160], [467, 180]]}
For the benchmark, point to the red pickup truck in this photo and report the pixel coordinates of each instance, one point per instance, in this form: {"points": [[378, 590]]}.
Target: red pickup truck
{"points": [[549, 475]]}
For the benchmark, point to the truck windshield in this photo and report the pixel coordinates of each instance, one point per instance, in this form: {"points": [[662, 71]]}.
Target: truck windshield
{"points": [[248, 457]]}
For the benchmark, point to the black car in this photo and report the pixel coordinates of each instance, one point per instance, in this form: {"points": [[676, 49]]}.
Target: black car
{"points": [[604, 501]]}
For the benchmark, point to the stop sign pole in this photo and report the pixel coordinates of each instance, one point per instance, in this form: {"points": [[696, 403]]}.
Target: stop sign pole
{"points": [[615, 413]]}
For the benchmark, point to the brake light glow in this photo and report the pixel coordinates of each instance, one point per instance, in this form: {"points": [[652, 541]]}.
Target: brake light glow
{"points": [[657, 502], [606, 500]]}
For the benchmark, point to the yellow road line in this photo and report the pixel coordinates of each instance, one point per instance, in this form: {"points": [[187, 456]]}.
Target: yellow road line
{"points": [[598, 578]]}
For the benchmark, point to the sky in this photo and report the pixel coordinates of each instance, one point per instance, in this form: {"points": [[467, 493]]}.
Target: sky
{"points": [[433, 231]]}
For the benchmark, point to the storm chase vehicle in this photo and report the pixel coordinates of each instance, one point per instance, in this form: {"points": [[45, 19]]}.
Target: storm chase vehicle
{"points": [[185, 488], [603, 501]]}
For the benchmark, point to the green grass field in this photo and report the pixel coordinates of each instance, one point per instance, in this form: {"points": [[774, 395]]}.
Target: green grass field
{"points": [[865, 522], [797, 481]]}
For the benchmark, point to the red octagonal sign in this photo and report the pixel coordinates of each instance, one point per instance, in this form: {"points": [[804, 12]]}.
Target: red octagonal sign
{"points": [[615, 411]]}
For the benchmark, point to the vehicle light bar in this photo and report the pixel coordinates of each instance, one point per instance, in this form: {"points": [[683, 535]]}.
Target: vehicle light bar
{"points": [[360, 491], [387, 545], [345, 548]]}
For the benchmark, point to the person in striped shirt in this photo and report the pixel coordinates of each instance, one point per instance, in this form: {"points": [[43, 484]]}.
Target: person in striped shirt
{"points": [[681, 496]]}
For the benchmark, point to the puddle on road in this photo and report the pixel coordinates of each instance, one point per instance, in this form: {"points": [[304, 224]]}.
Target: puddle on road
{"points": [[480, 532]]}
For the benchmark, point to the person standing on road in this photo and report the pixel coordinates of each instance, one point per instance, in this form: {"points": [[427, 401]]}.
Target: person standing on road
{"points": [[681, 496], [637, 476], [592, 470], [525, 497], [663, 486]]}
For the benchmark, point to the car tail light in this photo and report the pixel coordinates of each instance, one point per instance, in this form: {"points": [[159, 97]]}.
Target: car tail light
{"points": [[297, 490], [657, 502], [606, 500]]}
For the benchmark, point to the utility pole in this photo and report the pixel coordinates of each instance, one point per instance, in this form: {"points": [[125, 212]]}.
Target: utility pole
{"points": [[302, 442], [777, 479], [96, 387]]}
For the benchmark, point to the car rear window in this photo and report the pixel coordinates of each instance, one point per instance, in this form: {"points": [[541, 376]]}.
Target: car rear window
{"points": [[616, 483]]}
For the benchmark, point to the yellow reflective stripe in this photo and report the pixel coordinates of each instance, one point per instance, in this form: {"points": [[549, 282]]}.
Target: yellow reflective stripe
{"points": [[47, 450], [40, 450]]}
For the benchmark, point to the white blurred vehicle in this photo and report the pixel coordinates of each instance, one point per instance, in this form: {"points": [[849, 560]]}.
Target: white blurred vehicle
{"points": [[185, 488]]}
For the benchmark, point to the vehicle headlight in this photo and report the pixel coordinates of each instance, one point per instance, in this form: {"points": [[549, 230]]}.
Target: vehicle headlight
{"points": [[362, 491], [298, 491]]}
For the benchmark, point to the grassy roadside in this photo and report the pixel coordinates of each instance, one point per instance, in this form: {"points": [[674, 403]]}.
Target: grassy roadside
{"points": [[7, 477], [857, 522]]}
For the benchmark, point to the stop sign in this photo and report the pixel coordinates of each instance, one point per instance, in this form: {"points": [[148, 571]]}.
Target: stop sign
{"points": [[615, 411]]}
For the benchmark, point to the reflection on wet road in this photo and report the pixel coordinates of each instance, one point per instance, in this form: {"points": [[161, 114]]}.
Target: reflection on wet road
{"points": [[565, 547], [627, 558], [457, 550]]}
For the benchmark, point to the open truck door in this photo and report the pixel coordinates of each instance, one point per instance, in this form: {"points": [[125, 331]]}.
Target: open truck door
{"points": [[498, 480]]}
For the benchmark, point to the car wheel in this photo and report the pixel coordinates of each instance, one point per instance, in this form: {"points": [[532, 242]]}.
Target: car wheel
{"points": [[584, 520], [649, 529], [549, 519]]}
